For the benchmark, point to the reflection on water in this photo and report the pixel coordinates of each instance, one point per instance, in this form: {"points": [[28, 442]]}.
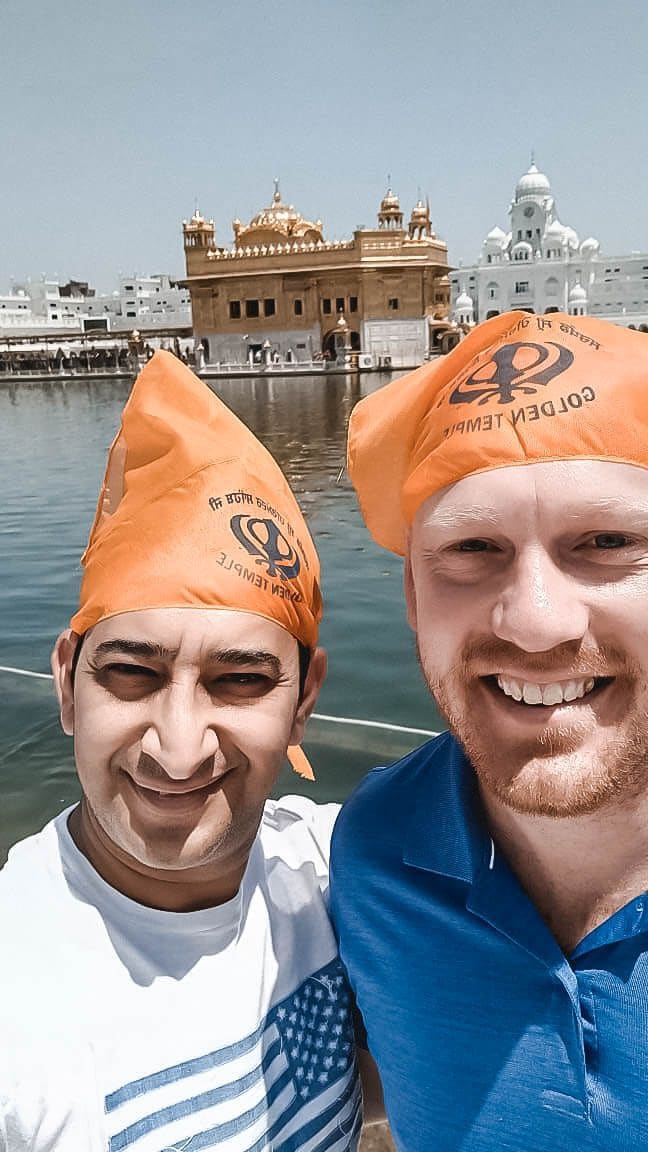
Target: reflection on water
{"points": [[53, 443]]}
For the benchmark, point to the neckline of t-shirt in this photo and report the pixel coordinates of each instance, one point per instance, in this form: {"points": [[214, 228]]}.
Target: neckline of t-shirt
{"points": [[91, 886]]}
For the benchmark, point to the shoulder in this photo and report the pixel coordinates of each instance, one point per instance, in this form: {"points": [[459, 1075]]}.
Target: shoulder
{"points": [[369, 832], [28, 864], [297, 827], [387, 794], [32, 887]]}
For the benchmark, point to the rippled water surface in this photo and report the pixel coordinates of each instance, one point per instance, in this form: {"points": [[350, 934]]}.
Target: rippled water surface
{"points": [[53, 443]]}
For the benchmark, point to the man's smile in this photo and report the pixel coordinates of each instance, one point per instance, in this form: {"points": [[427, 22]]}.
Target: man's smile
{"points": [[545, 693], [556, 692], [176, 800]]}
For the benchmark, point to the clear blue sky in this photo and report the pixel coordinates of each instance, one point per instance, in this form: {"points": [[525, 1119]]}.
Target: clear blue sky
{"points": [[117, 115]]}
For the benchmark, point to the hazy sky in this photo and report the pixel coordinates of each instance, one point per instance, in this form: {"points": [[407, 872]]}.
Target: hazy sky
{"points": [[117, 115]]}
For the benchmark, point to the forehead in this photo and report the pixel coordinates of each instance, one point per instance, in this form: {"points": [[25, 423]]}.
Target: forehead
{"points": [[195, 631], [556, 493]]}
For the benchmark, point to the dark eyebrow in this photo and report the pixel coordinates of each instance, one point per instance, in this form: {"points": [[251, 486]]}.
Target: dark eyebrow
{"points": [[240, 657], [135, 648], [243, 657]]}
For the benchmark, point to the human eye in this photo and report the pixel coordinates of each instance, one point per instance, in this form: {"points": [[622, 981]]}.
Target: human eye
{"points": [[474, 544], [612, 540], [617, 548], [241, 685], [598, 543], [124, 679]]}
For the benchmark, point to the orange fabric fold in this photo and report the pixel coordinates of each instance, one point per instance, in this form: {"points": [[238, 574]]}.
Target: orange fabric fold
{"points": [[517, 390], [194, 512], [299, 762]]}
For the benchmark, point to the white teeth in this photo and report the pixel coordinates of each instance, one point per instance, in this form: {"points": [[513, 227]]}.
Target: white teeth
{"points": [[553, 694], [531, 694], [547, 694]]}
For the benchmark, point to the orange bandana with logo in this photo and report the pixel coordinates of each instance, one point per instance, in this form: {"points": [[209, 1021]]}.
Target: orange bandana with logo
{"points": [[195, 513], [518, 390]]}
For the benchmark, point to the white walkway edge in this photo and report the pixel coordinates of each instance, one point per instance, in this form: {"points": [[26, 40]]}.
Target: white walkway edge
{"points": [[25, 672]]}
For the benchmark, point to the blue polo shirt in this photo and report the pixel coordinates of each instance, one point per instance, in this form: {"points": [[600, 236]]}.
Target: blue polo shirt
{"points": [[487, 1037]]}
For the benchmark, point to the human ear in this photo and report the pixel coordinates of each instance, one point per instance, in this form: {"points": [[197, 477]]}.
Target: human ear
{"points": [[410, 592], [314, 679], [61, 663]]}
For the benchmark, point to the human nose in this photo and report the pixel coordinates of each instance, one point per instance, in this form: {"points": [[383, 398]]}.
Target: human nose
{"points": [[539, 606], [179, 734]]}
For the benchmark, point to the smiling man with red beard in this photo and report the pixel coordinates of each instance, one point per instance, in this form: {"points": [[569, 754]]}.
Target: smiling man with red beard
{"points": [[489, 891]]}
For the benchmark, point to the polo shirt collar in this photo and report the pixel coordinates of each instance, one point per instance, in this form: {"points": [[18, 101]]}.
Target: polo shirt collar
{"points": [[447, 833]]}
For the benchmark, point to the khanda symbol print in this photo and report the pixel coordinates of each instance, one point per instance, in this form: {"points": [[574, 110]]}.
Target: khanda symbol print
{"points": [[263, 539], [519, 367]]}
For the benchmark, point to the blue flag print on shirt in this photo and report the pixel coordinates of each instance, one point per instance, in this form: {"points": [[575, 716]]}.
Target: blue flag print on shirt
{"points": [[290, 1086]]}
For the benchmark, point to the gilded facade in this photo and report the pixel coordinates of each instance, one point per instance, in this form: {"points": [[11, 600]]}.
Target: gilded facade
{"points": [[280, 289]]}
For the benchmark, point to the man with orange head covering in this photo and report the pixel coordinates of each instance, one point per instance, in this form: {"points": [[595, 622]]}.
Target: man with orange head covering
{"points": [[169, 977], [489, 890]]}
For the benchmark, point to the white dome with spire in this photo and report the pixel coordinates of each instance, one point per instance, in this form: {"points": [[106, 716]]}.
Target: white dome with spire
{"points": [[463, 300], [533, 183], [522, 249], [590, 246], [496, 235], [577, 294]]}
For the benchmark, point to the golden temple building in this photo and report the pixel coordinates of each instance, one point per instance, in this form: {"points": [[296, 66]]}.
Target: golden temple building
{"points": [[281, 290]]}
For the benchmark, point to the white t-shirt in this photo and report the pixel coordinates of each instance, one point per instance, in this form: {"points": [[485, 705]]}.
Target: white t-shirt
{"points": [[124, 1027]]}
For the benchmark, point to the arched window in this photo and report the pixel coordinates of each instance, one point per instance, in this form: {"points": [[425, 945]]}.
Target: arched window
{"points": [[552, 287]]}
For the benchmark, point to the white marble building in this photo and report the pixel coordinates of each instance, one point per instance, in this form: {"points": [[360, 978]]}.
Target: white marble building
{"points": [[143, 302], [540, 265]]}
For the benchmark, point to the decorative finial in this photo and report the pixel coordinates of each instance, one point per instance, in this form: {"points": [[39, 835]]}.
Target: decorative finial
{"points": [[277, 194], [532, 157]]}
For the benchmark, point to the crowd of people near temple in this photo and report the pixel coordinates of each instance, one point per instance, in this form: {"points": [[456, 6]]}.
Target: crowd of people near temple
{"points": [[124, 357]]}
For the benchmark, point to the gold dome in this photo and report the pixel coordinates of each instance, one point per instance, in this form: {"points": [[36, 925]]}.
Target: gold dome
{"points": [[420, 212], [389, 213], [277, 223], [197, 221], [420, 225], [389, 202]]}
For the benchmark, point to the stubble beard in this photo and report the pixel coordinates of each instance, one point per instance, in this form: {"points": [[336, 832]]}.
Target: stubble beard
{"points": [[554, 773]]}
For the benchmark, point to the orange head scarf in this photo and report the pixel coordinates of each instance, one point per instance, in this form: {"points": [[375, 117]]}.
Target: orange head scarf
{"points": [[194, 512], [519, 389]]}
